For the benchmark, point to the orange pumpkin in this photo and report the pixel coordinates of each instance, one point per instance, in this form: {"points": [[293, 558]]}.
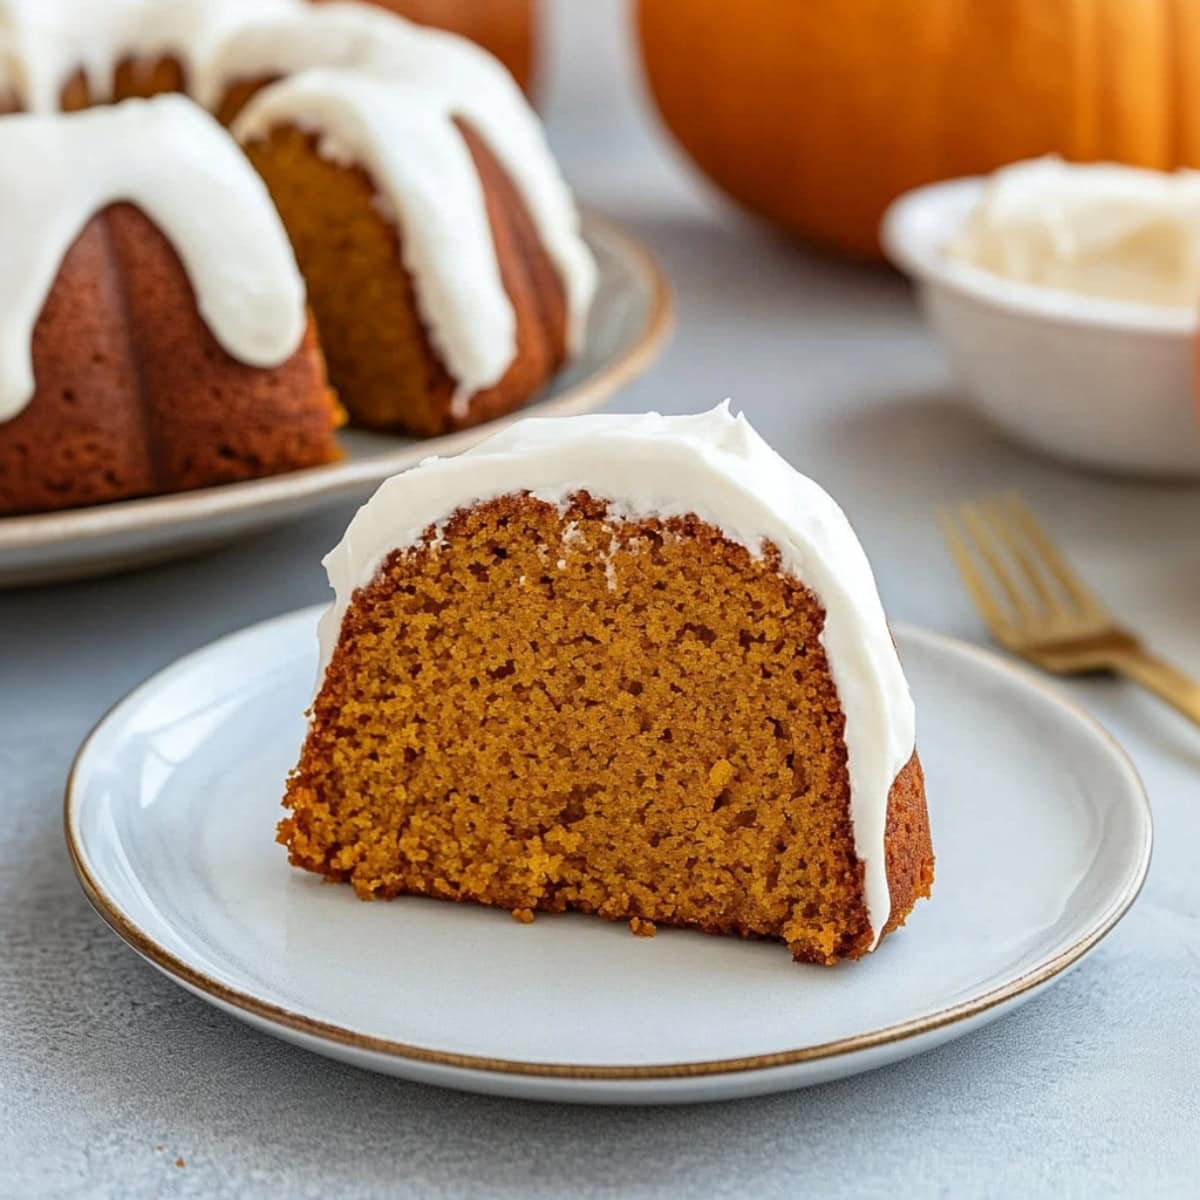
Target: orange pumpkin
{"points": [[505, 27], [818, 113]]}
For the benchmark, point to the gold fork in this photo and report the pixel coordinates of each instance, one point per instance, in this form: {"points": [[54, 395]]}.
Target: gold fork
{"points": [[1044, 612]]}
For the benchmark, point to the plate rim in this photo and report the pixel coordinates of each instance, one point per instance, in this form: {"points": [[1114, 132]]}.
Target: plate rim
{"points": [[31, 531], [255, 1008]]}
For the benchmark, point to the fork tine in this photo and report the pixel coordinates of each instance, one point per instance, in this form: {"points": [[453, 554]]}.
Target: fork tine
{"points": [[985, 544], [1062, 571], [1002, 526], [991, 612]]}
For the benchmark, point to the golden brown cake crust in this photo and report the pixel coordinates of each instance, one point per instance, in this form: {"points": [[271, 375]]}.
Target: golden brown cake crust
{"points": [[907, 843], [135, 395], [380, 357], [542, 710], [133, 78], [81, 439]]}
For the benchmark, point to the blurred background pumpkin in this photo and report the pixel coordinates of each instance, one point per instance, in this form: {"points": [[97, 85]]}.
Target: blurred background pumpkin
{"points": [[505, 27], [818, 113]]}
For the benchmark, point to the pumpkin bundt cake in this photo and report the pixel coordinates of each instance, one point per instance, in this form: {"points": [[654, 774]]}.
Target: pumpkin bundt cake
{"points": [[457, 283], [154, 334], [439, 243], [630, 666]]}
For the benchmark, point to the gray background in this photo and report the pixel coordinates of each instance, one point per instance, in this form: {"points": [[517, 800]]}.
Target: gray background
{"points": [[1091, 1090]]}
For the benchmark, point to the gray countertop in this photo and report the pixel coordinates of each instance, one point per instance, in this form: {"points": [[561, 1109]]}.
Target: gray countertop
{"points": [[109, 1072]]}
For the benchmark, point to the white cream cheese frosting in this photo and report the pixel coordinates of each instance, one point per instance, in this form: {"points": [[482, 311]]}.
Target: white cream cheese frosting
{"points": [[50, 40], [346, 34], [712, 465], [389, 106], [1114, 232], [171, 160]]}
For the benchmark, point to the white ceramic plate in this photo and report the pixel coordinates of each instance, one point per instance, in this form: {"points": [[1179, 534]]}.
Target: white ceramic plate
{"points": [[1041, 829], [626, 327], [1094, 382]]}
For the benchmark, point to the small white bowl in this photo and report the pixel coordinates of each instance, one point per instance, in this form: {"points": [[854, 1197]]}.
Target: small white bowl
{"points": [[1097, 382]]}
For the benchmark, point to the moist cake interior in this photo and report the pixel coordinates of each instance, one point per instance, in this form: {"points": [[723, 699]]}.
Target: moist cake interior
{"points": [[546, 708]]}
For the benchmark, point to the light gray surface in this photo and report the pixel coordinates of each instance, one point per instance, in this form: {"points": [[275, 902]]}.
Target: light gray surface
{"points": [[1091, 1090]]}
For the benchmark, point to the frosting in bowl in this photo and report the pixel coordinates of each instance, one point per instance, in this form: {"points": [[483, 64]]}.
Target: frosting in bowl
{"points": [[1103, 230]]}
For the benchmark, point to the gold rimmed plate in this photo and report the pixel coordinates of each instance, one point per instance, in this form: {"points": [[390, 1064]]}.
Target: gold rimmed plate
{"points": [[1041, 828], [626, 327]]}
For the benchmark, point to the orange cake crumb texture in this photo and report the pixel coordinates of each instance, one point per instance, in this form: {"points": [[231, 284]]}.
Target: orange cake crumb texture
{"points": [[380, 359], [547, 710]]}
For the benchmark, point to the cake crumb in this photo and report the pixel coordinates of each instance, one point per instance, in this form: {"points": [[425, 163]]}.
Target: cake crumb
{"points": [[721, 773], [180, 1163], [640, 928], [678, 755]]}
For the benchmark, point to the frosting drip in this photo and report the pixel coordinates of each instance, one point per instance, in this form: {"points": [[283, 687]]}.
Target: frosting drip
{"points": [[343, 34], [437, 77], [712, 465], [175, 163], [49, 40], [427, 181]]}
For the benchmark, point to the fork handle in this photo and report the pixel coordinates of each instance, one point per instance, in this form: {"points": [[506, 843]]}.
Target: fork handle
{"points": [[1180, 691]]}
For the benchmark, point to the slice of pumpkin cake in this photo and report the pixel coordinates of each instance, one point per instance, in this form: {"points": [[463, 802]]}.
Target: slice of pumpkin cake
{"points": [[634, 666]]}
